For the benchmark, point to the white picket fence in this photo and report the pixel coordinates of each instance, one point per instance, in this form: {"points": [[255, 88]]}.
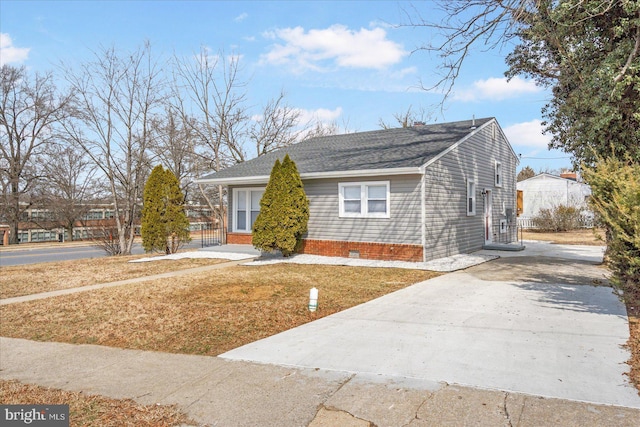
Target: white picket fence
{"points": [[527, 222]]}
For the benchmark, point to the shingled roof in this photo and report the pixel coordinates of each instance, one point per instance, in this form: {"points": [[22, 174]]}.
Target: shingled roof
{"points": [[400, 150]]}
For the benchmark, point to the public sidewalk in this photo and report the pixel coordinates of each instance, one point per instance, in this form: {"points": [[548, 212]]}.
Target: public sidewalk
{"points": [[218, 392]]}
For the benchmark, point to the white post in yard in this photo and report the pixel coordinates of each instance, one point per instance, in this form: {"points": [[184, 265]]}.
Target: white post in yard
{"points": [[313, 299]]}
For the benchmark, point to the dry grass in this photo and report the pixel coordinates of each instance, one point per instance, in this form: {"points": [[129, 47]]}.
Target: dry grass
{"points": [[574, 237], [633, 344], [86, 410], [204, 313], [44, 277]]}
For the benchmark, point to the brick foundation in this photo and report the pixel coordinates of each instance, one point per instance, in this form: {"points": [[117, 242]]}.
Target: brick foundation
{"points": [[238, 239], [366, 250]]}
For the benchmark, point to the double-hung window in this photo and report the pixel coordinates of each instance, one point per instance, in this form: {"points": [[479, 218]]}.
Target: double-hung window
{"points": [[498, 174], [246, 208], [471, 197], [364, 199]]}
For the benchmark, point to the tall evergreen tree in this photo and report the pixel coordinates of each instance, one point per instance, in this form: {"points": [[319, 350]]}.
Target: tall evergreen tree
{"points": [[176, 221], [266, 224], [284, 211], [165, 226], [296, 207], [526, 173]]}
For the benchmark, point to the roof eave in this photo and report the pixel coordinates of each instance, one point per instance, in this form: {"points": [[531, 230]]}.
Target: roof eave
{"points": [[263, 179]]}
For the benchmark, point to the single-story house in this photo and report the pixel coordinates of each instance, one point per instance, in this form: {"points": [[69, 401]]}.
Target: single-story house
{"points": [[412, 194], [547, 191]]}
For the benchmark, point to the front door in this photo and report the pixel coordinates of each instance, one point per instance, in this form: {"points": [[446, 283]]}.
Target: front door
{"points": [[488, 214]]}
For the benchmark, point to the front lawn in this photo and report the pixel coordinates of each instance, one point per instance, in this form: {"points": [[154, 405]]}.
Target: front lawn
{"points": [[583, 236], [204, 313], [30, 279]]}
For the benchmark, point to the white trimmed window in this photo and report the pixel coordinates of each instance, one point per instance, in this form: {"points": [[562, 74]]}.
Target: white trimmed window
{"points": [[498, 174], [364, 199], [471, 197], [246, 208]]}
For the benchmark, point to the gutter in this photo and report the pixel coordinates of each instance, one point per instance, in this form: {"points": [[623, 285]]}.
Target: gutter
{"points": [[264, 179]]}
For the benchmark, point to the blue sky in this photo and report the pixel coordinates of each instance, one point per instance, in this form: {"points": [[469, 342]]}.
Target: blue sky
{"points": [[336, 61]]}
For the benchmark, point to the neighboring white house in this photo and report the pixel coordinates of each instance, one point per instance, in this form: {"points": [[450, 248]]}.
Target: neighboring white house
{"points": [[546, 191]]}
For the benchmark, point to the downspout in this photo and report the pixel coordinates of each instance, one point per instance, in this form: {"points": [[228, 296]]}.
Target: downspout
{"points": [[423, 213]]}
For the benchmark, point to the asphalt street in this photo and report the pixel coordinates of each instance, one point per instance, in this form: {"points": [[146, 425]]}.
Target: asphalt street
{"points": [[53, 252]]}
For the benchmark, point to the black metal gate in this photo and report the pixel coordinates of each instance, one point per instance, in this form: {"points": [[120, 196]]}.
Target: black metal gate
{"points": [[210, 234]]}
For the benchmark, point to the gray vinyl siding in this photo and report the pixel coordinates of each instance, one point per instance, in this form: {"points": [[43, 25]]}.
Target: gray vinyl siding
{"points": [[448, 229], [403, 226]]}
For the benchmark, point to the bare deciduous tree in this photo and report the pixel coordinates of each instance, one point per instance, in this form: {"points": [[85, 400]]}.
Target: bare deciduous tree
{"points": [[278, 126], [118, 96], [212, 85], [30, 108], [71, 185], [172, 144], [467, 24], [406, 119]]}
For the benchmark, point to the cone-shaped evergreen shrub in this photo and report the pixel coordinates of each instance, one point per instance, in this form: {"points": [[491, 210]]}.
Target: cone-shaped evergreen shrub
{"points": [[284, 211], [164, 225]]}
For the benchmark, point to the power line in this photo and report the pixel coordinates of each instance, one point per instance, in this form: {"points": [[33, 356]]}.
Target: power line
{"points": [[544, 158]]}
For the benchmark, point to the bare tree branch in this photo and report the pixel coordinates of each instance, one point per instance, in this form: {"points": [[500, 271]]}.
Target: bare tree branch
{"points": [[30, 109], [118, 97]]}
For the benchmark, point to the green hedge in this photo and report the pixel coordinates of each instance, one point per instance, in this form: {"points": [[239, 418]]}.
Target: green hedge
{"points": [[615, 187]]}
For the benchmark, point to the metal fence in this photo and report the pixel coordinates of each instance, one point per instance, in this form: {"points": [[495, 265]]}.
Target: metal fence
{"points": [[210, 235]]}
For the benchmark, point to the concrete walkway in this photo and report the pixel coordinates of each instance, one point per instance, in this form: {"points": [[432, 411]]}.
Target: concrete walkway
{"points": [[217, 392], [476, 347]]}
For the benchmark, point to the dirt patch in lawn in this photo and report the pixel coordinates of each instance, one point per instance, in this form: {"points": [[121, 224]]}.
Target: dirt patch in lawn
{"points": [[51, 276], [87, 410], [203, 313], [588, 236]]}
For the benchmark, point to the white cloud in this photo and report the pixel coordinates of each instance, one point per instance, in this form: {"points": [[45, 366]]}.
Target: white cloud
{"points": [[527, 134], [409, 71], [497, 89], [241, 17], [323, 115], [10, 54], [316, 49]]}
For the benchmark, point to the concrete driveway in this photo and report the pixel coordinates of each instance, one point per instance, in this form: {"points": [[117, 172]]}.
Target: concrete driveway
{"points": [[539, 322]]}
